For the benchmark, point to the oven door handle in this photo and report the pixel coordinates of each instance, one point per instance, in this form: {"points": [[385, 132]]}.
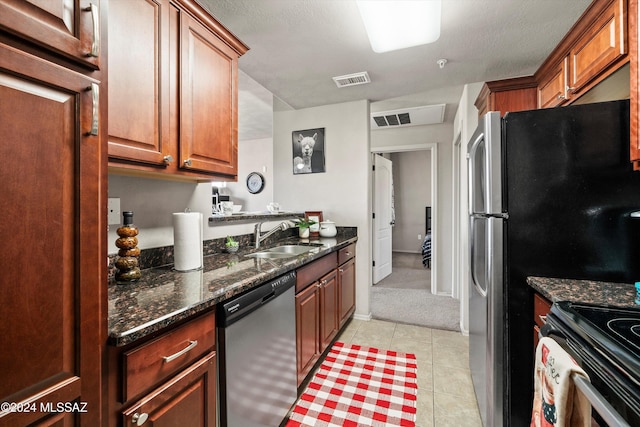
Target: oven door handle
{"points": [[602, 407]]}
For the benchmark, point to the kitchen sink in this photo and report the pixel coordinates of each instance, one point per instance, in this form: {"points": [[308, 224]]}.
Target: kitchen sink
{"points": [[284, 251]]}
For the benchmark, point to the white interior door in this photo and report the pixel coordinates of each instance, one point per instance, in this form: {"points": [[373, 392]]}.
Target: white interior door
{"points": [[383, 220]]}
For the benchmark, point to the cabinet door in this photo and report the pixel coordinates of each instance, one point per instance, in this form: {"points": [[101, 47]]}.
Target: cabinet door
{"points": [[189, 399], [307, 329], [138, 81], [208, 101], [601, 46], [51, 223], [634, 28], [553, 89], [329, 320], [347, 290], [68, 28]]}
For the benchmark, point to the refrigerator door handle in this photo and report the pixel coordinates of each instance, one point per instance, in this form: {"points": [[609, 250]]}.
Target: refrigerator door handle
{"points": [[472, 171], [472, 247]]}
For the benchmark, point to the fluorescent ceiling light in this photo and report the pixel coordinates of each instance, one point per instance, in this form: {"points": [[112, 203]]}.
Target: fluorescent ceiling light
{"points": [[398, 24]]}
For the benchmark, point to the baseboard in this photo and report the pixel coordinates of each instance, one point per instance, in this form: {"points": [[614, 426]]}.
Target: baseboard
{"points": [[362, 316]]}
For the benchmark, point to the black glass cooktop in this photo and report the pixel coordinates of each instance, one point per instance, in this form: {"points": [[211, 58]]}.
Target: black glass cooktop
{"points": [[611, 330]]}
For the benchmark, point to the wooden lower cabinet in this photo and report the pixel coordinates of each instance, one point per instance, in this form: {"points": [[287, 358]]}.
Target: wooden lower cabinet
{"points": [[317, 321], [329, 322], [169, 380], [189, 399], [541, 307], [325, 300], [307, 330], [347, 290]]}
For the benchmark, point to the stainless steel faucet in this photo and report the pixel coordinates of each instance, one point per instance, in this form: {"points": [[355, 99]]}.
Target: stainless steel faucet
{"points": [[259, 237]]}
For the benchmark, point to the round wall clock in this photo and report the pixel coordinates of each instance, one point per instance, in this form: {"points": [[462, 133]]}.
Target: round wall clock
{"points": [[255, 182]]}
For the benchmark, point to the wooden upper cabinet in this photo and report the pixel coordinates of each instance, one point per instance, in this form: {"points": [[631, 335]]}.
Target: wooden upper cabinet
{"points": [[208, 102], [603, 43], [594, 48], [553, 91], [172, 90], [635, 82], [516, 94], [67, 28], [138, 81]]}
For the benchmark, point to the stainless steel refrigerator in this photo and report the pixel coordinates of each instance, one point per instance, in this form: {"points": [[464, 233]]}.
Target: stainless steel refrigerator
{"points": [[551, 194]]}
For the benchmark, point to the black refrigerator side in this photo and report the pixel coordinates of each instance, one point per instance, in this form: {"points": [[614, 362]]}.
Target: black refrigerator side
{"points": [[569, 190]]}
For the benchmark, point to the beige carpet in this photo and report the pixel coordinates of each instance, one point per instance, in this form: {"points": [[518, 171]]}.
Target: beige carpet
{"points": [[405, 297]]}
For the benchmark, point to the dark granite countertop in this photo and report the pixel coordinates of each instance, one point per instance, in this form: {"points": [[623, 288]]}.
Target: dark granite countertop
{"points": [[164, 296], [585, 291]]}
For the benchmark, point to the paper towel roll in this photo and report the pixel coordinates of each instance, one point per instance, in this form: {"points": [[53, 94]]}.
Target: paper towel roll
{"points": [[187, 241]]}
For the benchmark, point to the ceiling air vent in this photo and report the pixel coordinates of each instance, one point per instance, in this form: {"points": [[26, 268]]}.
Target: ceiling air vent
{"points": [[352, 79], [426, 115]]}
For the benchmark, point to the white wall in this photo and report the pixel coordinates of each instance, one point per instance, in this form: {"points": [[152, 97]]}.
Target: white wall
{"points": [[412, 192], [442, 135], [253, 156], [465, 122], [342, 193], [153, 201]]}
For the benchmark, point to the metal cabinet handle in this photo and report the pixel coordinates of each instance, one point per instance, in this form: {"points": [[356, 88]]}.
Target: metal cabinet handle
{"points": [[191, 345], [168, 159], [543, 318], [139, 419], [95, 44], [569, 88], [187, 162], [348, 253], [341, 270], [561, 97], [95, 108]]}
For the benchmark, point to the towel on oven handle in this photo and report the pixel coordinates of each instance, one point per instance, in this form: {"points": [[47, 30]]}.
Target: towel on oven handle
{"points": [[557, 402]]}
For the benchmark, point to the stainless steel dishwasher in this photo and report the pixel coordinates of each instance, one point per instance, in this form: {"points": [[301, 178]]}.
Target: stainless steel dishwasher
{"points": [[257, 355]]}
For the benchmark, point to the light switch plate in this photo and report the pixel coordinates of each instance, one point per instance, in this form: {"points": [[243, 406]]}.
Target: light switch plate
{"points": [[113, 208]]}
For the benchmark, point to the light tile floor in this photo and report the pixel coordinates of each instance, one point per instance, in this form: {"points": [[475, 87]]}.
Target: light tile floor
{"points": [[445, 391]]}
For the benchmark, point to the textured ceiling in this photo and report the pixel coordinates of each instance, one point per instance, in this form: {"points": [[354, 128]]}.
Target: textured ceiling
{"points": [[297, 46]]}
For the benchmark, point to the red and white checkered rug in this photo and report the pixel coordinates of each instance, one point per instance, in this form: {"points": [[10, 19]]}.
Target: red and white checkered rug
{"points": [[360, 386]]}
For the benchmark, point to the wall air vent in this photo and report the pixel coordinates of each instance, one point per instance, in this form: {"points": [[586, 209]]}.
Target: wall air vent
{"points": [[352, 79], [426, 115]]}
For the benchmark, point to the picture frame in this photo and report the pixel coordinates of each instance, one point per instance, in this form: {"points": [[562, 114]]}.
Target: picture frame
{"points": [[314, 230], [308, 151]]}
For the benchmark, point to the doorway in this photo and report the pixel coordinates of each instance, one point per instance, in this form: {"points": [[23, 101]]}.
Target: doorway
{"points": [[410, 293], [432, 181]]}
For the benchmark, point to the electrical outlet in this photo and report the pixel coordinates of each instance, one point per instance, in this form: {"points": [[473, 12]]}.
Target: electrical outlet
{"points": [[113, 209], [419, 236]]}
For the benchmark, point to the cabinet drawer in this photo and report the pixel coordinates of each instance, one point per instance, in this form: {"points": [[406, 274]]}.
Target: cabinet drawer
{"points": [[312, 272], [150, 363], [541, 307], [346, 253]]}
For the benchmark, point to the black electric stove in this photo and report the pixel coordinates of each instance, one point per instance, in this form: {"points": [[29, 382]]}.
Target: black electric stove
{"points": [[605, 341]]}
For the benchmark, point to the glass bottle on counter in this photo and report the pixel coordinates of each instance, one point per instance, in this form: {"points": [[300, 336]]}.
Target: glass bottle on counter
{"points": [[128, 253]]}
